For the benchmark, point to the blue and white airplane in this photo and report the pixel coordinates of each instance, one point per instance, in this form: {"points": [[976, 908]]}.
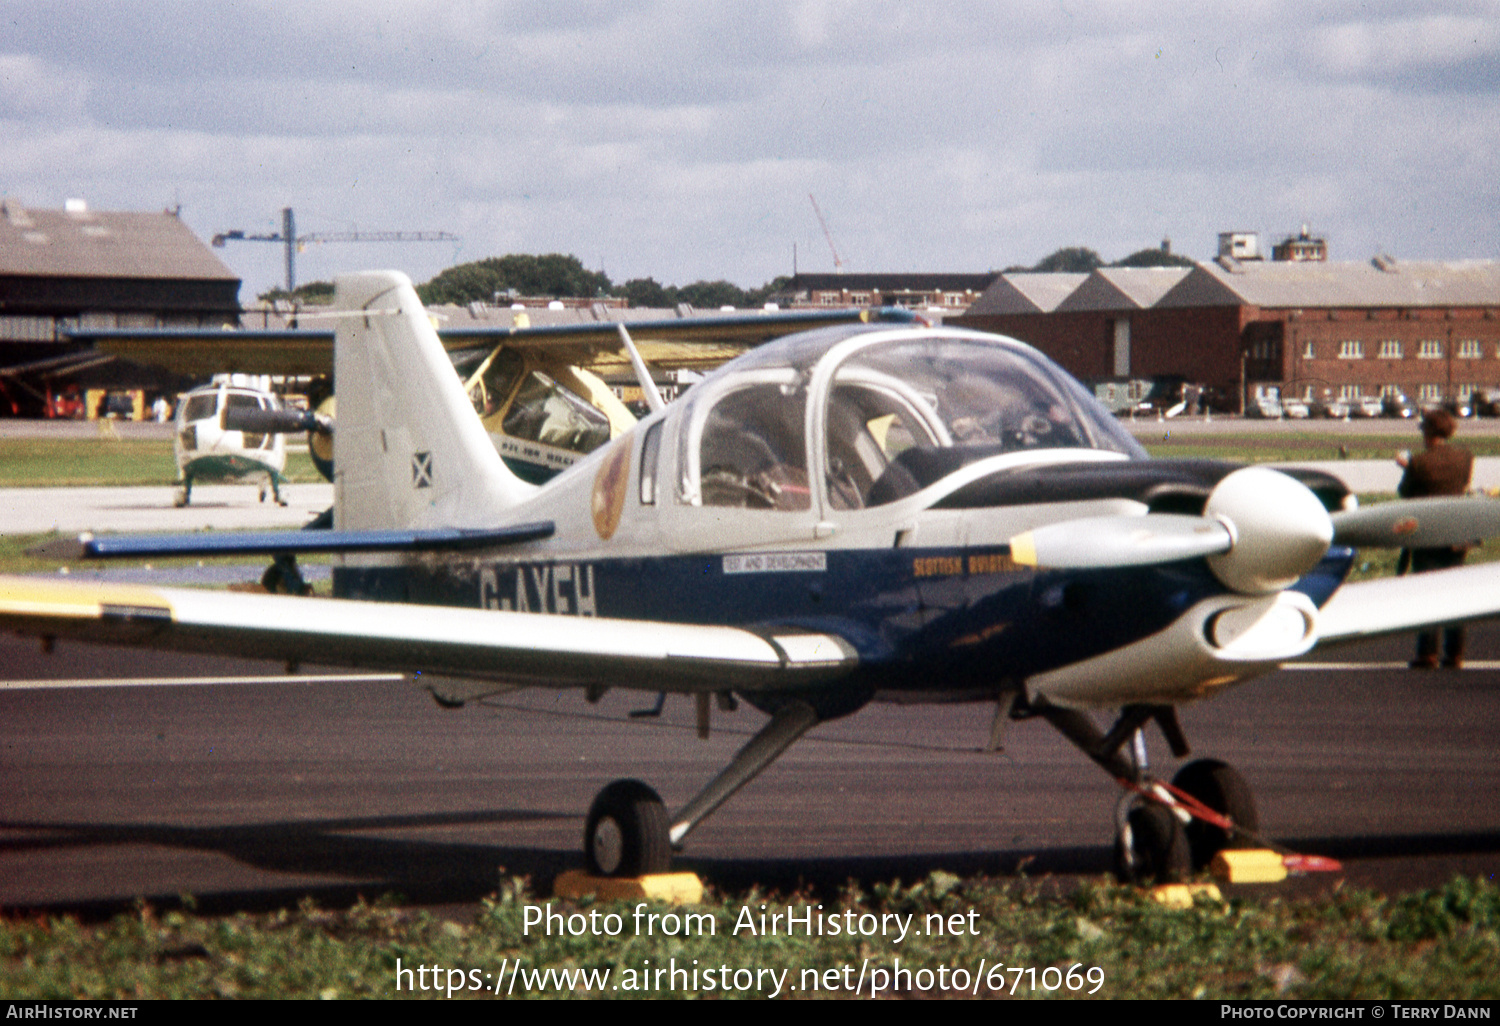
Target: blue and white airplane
{"points": [[853, 514]]}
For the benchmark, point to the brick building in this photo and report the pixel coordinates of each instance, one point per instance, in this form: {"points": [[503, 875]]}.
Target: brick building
{"points": [[1306, 328]]}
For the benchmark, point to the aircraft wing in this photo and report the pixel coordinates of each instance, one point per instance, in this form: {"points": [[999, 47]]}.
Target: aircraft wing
{"points": [[276, 543], [701, 340], [490, 645], [201, 352], [1398, 604]]}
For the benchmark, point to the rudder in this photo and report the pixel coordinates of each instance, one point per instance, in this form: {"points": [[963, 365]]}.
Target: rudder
{"points": [[409, 450]]}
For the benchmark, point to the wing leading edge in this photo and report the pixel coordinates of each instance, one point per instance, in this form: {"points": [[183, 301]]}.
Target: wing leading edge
{"points": [[1397, 604], [513, 648]]}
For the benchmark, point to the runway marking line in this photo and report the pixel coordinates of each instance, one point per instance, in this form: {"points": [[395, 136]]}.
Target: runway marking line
{"points": [[393, 678], [151, 682], [1469, 664]]}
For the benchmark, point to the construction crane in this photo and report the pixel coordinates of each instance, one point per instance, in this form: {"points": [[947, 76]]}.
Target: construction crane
{"points": [[294, 242], [838, 265]]}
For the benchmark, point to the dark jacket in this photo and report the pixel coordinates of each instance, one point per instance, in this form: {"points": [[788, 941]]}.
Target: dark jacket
{"points": [[1442, 470]]}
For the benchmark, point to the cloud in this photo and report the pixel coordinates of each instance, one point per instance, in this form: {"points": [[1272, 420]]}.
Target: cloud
{"points": [[680, 140]]}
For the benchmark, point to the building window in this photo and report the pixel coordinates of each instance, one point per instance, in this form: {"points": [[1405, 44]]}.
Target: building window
{"points": [[1430, 349], [1390, 390], [1468, 349], [1348, 392], [1351, 349], [1430, 393], [1390, 349], [1308, 353]]}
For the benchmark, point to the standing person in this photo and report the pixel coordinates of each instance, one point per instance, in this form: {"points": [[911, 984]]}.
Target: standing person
{"points": [[1439, 469]]}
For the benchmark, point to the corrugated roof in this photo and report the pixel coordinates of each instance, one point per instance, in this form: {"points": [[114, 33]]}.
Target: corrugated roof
{"points": [[891, 282], [1026, 293], [100, 244], [1123, 288], [1300, 285]]}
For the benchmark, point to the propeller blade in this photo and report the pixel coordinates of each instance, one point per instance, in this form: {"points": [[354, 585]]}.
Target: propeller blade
{"points": [[1121, 541], [272, 422], [1418, 523]]}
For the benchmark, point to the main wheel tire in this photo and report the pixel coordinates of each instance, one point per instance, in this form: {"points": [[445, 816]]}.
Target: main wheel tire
{"points": [[1219, 786], [626, 832], [1158, 845]]}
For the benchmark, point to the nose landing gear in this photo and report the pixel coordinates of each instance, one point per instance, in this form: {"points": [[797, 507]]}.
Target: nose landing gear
{"points": [[1164, 831]]}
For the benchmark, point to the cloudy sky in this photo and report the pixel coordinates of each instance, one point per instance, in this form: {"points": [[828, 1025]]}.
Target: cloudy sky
{"points": [[681, 140]]}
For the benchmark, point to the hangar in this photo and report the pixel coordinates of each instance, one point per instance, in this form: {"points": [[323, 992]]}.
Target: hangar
{"points": [[76, 267]]}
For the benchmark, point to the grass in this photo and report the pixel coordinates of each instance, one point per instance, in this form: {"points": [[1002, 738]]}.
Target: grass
{"points": [[58, 462], [1294, 446], [71, 462], [1346, 944]]}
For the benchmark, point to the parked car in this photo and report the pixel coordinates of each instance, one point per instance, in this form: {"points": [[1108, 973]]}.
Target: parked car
{"points": [[1295, 409], [1398, 406], [1263, 408], [1333, 409], [1487, 403]]}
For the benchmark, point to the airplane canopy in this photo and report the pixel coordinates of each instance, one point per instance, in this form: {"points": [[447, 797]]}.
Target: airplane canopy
{"points": [[882, 413]]}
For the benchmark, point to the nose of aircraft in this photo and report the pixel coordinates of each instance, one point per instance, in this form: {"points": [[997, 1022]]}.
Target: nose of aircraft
{"points": [[1280, 530]]}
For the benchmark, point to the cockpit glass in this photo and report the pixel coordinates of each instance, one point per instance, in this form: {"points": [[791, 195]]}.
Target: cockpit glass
{"points": [[200, 407], [904, 414], [746, 445], [900, 414], [546, 412]]}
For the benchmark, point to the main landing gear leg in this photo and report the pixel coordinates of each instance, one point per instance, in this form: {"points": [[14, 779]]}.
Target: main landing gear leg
{"points": [[628, 834], [1158, 838]]}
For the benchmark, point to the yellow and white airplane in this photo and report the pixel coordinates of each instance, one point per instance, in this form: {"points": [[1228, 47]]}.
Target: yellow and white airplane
{"points": [[537, 389], [855, 514]]}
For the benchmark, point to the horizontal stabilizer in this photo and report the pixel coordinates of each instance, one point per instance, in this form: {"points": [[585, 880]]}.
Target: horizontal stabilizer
{"points": [[481, 644], [1120, 541], [1397, 604], [273, 543], [1418, 523]]}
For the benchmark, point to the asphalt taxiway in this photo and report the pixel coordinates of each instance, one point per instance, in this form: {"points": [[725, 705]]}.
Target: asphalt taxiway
{"points": [[228, 780]]}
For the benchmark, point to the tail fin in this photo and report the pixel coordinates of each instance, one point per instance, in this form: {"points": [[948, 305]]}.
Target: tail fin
{"points": [[409, 450]]}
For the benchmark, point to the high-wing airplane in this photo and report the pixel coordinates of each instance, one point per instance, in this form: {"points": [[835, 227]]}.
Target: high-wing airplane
{"points": [[853, 514], [543, 407]]}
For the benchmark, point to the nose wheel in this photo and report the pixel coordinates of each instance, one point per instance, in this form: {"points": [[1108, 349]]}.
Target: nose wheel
{"points": [[1152, 846], [626, 831], [1219, 786]]}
